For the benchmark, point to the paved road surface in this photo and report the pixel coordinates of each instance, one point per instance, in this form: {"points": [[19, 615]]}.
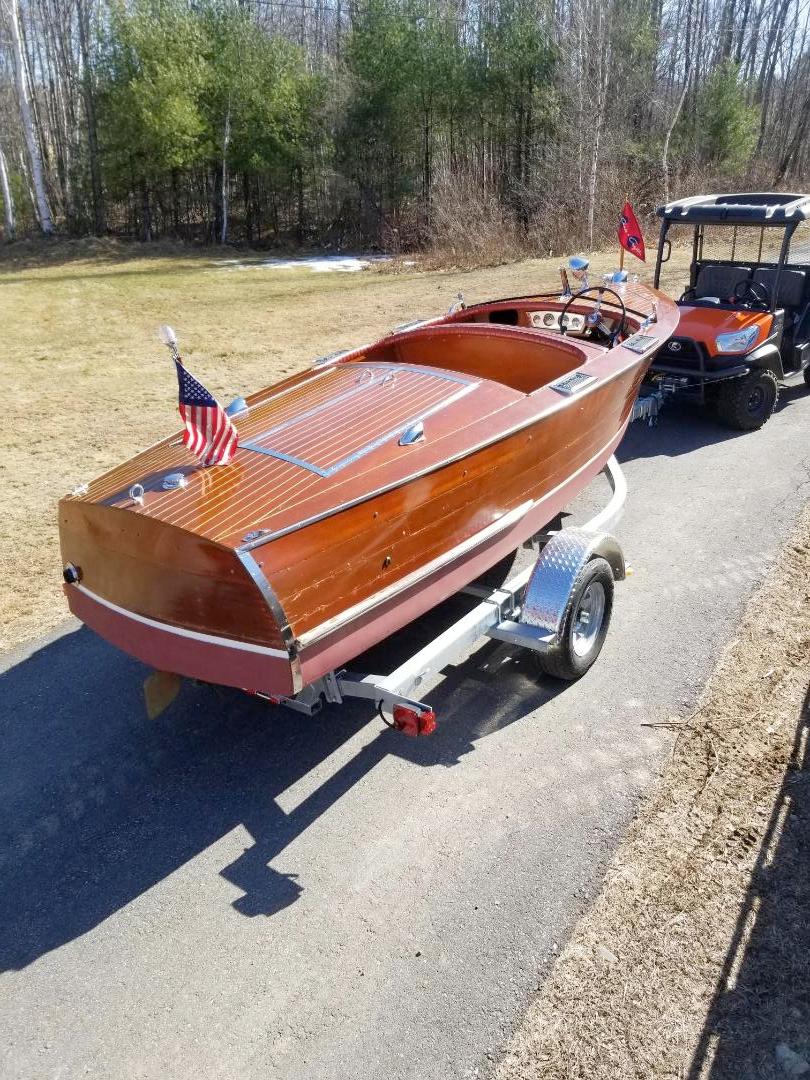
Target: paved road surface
{"points": [[232, 892]]}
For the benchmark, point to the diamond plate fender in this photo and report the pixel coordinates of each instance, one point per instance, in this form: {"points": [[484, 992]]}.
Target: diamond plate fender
{"points": [[548, 594]]}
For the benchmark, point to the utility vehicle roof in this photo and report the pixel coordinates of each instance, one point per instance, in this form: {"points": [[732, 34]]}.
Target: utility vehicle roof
{"points": [[763, 208]]}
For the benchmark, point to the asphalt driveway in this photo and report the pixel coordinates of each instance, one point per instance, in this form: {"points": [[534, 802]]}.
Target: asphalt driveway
{"points": [[234, 891]]}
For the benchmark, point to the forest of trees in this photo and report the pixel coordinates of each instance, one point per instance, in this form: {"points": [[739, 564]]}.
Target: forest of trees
{"points": [[391, 123]]}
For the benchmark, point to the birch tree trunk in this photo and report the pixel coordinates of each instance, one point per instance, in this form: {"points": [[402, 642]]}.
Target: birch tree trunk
{"points": [[43, 211], [226, 138], [668, 137], [8, 200], [603, 47]]}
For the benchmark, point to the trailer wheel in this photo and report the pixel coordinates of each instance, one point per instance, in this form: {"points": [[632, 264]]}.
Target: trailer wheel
{"points": [[585, 626], [746, 404]]}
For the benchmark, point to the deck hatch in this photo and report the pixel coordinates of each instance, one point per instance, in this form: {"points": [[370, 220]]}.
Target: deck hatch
{"points": [[382, 401]]}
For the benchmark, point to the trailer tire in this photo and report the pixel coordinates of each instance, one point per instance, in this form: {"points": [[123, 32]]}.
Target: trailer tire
{"points": [[585, 625], [746, 404]]}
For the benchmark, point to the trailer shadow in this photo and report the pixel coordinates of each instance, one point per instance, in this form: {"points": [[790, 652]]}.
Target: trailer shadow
{"points": [[762, 997], [97, 805]]}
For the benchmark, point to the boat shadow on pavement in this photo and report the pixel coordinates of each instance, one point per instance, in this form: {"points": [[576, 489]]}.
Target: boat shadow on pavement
{"points": [[98, 804]]}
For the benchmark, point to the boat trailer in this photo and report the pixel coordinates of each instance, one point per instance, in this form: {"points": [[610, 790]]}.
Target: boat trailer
{"points": [[558, 608]]}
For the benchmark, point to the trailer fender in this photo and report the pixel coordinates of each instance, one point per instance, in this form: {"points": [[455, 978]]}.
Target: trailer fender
{"points": [[550, 588], [767, 356]]}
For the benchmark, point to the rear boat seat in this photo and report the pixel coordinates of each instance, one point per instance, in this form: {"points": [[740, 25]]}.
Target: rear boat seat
{"points": [[791, 285], [719, 281]]}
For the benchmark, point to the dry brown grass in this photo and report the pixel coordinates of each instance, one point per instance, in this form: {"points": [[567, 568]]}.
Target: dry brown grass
{"points": [[85, 383], [693, 961]]}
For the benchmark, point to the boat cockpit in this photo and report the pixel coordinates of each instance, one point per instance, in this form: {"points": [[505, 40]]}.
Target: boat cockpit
{"points": [[524, 343], [523, 362]]}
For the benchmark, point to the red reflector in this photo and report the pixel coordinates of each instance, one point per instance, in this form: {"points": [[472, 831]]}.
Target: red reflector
{"points": [[427, 722], [406, 720], [411, 722]]}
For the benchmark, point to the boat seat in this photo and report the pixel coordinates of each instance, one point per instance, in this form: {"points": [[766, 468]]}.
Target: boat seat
{"points": [[720, 280], [791, 286]]}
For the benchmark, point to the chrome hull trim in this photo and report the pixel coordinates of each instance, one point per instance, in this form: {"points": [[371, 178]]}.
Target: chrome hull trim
{"points": [[416, 576], [277, 611]]}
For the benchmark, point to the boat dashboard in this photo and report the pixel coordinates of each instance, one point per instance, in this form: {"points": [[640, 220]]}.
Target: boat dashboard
{"points": [[547, 319], [597, 324]]}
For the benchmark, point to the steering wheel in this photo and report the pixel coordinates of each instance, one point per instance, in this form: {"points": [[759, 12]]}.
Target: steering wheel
{"points": [[600, 290], [749, 292]]}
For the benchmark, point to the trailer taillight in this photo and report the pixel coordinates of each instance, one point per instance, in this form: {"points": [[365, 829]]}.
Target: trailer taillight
{"points": [[412, 722]]}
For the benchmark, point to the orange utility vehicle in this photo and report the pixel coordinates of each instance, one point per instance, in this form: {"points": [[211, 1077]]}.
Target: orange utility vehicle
{"points": [[745, 315]]}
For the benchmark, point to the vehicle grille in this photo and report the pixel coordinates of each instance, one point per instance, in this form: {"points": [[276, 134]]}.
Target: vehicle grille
{"points": [[680, 352]]}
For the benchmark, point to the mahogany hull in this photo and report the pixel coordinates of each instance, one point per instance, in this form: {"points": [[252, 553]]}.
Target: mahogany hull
{"points": [[287, 592]]}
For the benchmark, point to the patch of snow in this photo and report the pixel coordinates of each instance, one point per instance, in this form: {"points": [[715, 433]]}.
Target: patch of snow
{"points": [[317, 264]]}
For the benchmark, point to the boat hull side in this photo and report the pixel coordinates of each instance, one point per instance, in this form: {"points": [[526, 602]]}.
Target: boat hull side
{"points": [[337, 563], [345, 641]]}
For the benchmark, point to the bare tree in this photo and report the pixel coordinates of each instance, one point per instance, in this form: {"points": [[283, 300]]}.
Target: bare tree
{"points": [[32, 145], [8, 200]]}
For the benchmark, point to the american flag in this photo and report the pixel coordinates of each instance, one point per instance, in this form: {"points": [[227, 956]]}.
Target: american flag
{"points": [[209, 432]]}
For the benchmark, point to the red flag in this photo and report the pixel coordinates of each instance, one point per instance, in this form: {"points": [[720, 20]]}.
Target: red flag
{"points": [[630, 236]]}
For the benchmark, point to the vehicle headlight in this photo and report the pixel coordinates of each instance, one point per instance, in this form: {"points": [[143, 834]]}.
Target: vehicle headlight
{"points": [[737, 340]]}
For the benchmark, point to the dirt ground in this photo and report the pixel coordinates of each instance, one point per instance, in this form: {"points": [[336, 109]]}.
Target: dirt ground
{"points": [[86, 383], [693, 961]]}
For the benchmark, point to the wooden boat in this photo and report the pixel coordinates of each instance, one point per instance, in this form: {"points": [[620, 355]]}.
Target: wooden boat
{"points": [[363, 492]]}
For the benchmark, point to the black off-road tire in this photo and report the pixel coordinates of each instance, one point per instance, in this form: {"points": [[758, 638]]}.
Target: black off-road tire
{"points": [[806, 374], [746, 404], [571, 658]]}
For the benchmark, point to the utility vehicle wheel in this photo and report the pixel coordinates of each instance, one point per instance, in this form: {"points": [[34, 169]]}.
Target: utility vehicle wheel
{"points": [[586, 624], [806, 374], [745, 404]]}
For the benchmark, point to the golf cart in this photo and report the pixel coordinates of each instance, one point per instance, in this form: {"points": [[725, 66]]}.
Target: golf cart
{"points": [[745, 316]]}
